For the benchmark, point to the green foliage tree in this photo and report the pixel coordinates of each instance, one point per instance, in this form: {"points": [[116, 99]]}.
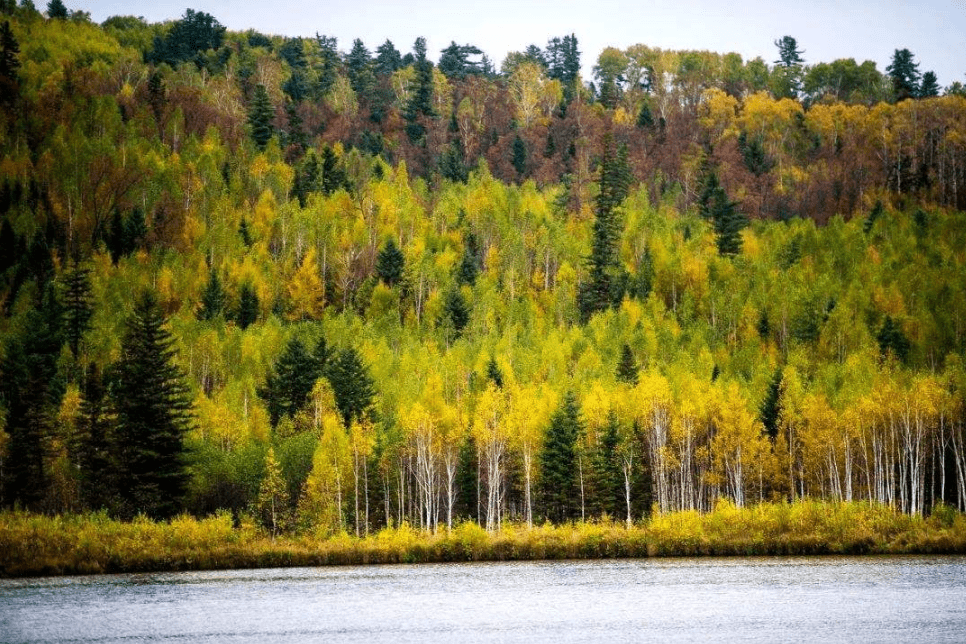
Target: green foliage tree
{"points": [[519, 158], [471, 262], [493, 373], [455, 61], [9, 64], [213, 298], [608, 479], [388, 59], [293, 376], [929, 86], [352, 386], [96, 469], [359, 67], [456, 313], [260, 117], [627, 366], [78, 305], [248, 306], [563, 63], [771, 407], [558, 462], [196, 32], [57, 11], [390, 264], [727, 220], [153, 408], [904, 73], [892, 340], [420, 104]]}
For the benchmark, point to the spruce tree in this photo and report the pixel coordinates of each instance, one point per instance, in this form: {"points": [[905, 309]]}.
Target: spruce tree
{"points": [[470, 264], [904, 73], [78, 307], [771, 407], [929, 86], [213, 298], [558, 462], [421, 102], [9, 64], [260, 117], [519, 158], [288, 387], [97, 488], [247, 306], [390, 264], [153, 407], [353, 388], [892, 340], [57, 11], [493, 373], [456, 313], [608, 478], [627, 366], [727, 221], [244, 231]]}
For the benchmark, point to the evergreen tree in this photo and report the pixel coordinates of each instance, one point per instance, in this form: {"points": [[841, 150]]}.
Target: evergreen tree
{"points": [[390, 264], [353, 388], [470, 265], [874, 214], [420, 104], [9, 65], [929, 86], [904, 73], [452, 164], [388, 59], [519, 159], [57, 11], [30, 390], [455, 61], [456, 313], [260, 117], [754, 155], [248, 306], [771, 407], [213, 298], [892, 340], [644, 279], [789, 55], [468, 481], [627, 366], [293, 376], [196, 32], [153, 408], [645, 120], [493, 373], [724, 215], [558, 462], [245, 232], [608, 478], [78, 307], [605, 286], [359, 68], [96, 469]]}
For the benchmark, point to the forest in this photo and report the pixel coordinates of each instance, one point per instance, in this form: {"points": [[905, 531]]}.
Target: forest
{"points": [[332, 289]]}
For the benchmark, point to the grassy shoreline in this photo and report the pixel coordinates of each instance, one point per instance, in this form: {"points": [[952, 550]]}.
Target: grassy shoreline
{"points": [[32, 545]]}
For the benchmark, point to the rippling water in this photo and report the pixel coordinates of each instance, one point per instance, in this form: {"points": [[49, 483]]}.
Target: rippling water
{"points": [[769, 599]]}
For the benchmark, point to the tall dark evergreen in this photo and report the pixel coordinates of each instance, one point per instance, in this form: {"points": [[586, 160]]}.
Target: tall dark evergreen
{"points": [[493, 373], [78, 305], [558, 462], [213, 298], [563, 64], [57, 11], [390, 264], [627, 366], [892, 340], [420, 104], [9, 64], [353, 387], [471, 263], [292, 378], [196, 32], [30, 391], [260, 117], [456, 313], [608, 480], [771, 407], [725, 217], [929, 86], [519, 158], [97, 472], [360, 70], [789, 55], [247, 306], [903, 71], [388, 59], [455, 61], [607, 280], [153, 408]]}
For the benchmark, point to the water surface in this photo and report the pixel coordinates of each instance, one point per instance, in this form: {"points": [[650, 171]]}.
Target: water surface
{"points": [[888, 599]]}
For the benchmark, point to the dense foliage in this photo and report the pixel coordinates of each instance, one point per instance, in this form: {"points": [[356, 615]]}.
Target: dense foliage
{"points": [[390, 291]]}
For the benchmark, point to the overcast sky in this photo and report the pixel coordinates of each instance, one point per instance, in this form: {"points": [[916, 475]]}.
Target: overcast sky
{"points": [[934, 30]]}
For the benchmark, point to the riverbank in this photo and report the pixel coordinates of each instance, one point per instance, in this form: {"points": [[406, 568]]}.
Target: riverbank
{"points": [[33, 545]]}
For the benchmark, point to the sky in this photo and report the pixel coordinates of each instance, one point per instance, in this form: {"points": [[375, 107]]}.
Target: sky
{"points": [[933, 30]]}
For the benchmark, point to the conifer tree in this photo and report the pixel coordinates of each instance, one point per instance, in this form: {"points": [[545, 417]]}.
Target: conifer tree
{"points": [[353, 388], [390, 264], [248, 306], [78, 307], [57, 11], [153, 408], [493, 373], [904, 73], [456, 313], [608, 479], [558, 462], [727, 221], [213, 299], [94, 462], [421, 102], [288, 386], [627, 366], [771, 406], [9, 64], [929, 86], [892, 340], [260, 117], [519, 159], [470, 264], [245, 232]]}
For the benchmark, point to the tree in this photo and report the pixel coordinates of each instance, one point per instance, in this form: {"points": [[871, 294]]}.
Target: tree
{"points": [[353, 388], [390, 264], [272, 495], [420, 103], [627, 366], [388, 59], [493, 373], [558, 461], [456, 313], [892, 340], [213, 298], [57, 11], [563, 64], [607, 280], [471, 263], [728, 222], [455, 61], [519, 159], [153, 408], [904, 73], [248, 306], [260, 117], [290, 382], [195, 33], [359, 67], [789, 55], [97, 485], [9, 64], [78, 307], [929, 86], [771, 407]]}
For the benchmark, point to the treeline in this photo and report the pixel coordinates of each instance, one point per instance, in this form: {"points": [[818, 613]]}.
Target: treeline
{"points": [[343, 291]]}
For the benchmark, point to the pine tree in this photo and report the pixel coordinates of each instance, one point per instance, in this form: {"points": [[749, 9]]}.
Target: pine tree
{"points": [[421, 102], [456, 313], [260, 117], [608, 479], [388, 59], [248, 306], [771, 407], [57, 11], [244, 232], [153, 408], [359, 68], [519, 159], [96, 469], [353, 388], [9, 64], [929, 86], [904, 73], [645, 120], [390, 264], [728, 222], [288, 387], [213, 298], [892, 340], [470, 265], [558, 462], [627, 366], [78, 307], [493, 373]]}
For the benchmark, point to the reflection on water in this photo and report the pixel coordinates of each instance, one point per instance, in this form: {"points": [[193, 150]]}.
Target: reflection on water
{"points": [[768, 599]]}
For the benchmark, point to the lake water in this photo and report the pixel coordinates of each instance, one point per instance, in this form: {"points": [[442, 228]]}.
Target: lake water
{"points": [[888, 599]]}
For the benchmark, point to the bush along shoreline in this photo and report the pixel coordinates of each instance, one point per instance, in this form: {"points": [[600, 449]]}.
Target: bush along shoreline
{"points": [[38, 545]]}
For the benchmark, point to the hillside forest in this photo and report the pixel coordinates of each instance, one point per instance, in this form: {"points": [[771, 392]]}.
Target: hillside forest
{"points": [[340, 286]]}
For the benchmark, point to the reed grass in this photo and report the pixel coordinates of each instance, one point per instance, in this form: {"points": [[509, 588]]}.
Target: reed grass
{"points": [[32, 544]]}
